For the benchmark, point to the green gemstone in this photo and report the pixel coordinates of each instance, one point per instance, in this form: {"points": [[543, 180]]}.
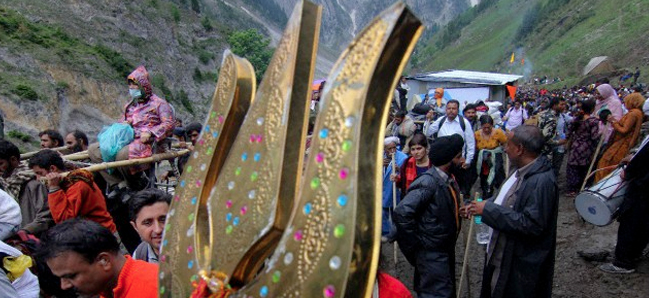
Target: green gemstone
{"points": [[347, 145], [167, 227], [213, 115], [194, 278], [191, 216], [162, 290], [254, 176], [276, 276], [315, 183], [237, 171], [209, 150], [228, 230], [189, 169], [339, 231]]}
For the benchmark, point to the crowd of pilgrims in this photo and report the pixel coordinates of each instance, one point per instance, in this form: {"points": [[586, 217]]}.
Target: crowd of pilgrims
{"points": [[99, 234]]}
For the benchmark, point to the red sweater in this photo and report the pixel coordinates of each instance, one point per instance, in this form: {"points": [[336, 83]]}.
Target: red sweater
{"points": [[138, 279], [80, 200], [390, 287]]}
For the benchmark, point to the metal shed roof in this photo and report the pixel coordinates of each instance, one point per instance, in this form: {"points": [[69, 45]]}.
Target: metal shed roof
{"points": [[467, 77]]}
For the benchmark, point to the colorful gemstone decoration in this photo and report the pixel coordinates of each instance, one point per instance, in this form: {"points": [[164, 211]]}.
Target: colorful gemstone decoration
{"points": [[237, 172], [298, 235], [252, 138], [162, 275], [347, 145], [190, 249], [213, 114], [228, 217], [319, 158], [339, 231], [172, 212], [201, 141], [228, 204], [253, 176], [263, 292], [260, 138], [182, 183], [251, 194], [198, 183], [307, 208], [230, 185], [163, 258], [162, 290], [260, 121], [235, 221], [334, 263], [176, 198], [190, 264], [244, 156], [195, 155], [276, 276], [164, 242], [329, 291], [167, 227], [221, 118], [315, 183], [324, 133], [203, 167], [194, 200], [342, 200], [288, 258], [349, 121], [343, 173], [210, 150], [193, 278], [257, 157], [188, 169], [228, 230], [191, 216], [207, 128], [244, 210]]}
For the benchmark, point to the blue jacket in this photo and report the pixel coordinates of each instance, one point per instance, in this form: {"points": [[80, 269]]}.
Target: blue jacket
{"points": [[387, 184]]}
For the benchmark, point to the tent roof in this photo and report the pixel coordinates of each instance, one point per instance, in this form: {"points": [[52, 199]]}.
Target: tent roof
{"points": [[468, 77], [594, 63]]}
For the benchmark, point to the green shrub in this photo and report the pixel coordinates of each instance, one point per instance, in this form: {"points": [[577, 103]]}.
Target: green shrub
{"points": [[205, 56], [175, 13], [207, 24], [115, 60], [62, 85], [197, 76], [24, 91], [184, 100], [19, 135], [158, 81]]}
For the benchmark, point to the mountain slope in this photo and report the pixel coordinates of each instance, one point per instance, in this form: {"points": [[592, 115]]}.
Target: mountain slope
{"points": [[560, 37]]}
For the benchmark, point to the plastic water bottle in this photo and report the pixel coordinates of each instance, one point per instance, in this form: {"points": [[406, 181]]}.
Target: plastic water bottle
{"points": [[482, 234]]}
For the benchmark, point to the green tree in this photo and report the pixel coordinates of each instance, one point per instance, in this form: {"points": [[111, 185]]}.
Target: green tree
{"points": [[253, 46], [196, 6]]}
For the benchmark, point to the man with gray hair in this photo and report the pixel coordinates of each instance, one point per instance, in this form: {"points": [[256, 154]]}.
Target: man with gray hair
{"points": [[523, 221], [390, 148]]}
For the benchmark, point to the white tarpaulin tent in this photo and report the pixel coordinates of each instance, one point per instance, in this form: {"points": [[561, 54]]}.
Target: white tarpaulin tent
{"points": [[601, 64]]}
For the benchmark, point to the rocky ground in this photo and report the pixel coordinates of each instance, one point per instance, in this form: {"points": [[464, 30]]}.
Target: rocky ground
{"points": [[573, 276]]}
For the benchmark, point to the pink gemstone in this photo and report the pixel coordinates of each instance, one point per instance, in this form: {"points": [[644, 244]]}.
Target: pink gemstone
{"points": [[344, 173], [198, 183], [221, 119], [190, 249], [259, 138], [252, 138], [298, 235], [329, 291], [319, 158], [176, 198], [163, 258], [228, 204], [244, 210], [201, 141]]}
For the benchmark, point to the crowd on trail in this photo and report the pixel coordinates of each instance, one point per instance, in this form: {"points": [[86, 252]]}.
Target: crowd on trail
{"points": [[436, 150], [66, 231]]}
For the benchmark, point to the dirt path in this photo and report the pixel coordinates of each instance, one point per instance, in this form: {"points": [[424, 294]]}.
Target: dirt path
{"points": [[573, 276]]}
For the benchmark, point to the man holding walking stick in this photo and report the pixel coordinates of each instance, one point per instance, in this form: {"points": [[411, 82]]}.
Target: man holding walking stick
{"points": [[427, 221], [523, 218], [392, 158]]}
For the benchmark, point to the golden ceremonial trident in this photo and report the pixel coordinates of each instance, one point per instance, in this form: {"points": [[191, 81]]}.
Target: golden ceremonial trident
{"points": [[246, 221]]}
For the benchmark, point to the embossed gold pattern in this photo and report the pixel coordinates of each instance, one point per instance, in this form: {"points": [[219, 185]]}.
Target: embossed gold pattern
{"points": [[276, 232]]}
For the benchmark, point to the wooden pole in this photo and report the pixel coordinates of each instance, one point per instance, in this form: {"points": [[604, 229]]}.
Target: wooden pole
{"points": [[466, 253], [592, 163], [30, 154], [394, 203], [77, 156], [132, 162]]}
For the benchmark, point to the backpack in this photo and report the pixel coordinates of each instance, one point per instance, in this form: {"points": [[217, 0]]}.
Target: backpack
{"points": [[462, 125]]}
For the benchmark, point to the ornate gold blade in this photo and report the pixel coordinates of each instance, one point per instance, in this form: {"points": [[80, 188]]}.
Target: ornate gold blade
{"points": [[179, 261], [254, 194], [331, 245]]}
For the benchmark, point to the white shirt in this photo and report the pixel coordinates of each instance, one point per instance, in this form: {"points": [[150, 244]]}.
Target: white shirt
{"points": [[451, 127], [10, 213], [515, 117]]}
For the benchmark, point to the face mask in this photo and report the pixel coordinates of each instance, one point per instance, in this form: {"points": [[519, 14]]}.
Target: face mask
{"points": [[135, 93]]}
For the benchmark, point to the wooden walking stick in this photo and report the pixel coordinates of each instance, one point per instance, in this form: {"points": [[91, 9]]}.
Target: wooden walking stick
{"points": [[466, 253], [394, 202], [132, 162], [590, 168]]}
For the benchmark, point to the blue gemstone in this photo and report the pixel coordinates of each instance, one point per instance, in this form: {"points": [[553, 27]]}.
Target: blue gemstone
{"points": [[257, 156], [194, 199], [207, 128], [342, 200], [164, 242], [263, 292], [235, 222], [215, 134], [190, 264], [182, 183], [307, 208], [244, 156], [228, 217], [324, 133]]}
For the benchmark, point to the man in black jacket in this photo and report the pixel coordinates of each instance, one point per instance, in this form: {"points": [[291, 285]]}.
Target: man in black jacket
{"points": [[633, 233], [427, 221], [523, 218]]}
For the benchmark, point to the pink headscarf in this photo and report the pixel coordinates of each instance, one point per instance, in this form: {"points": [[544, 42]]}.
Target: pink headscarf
{"points": [[611, 102]]}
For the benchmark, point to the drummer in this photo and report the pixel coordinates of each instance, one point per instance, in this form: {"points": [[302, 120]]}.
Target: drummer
{"points": [[633, 233], [152, 120]]}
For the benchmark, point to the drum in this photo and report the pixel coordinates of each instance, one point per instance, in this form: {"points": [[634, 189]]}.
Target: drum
{"points": [[599, 203]]}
